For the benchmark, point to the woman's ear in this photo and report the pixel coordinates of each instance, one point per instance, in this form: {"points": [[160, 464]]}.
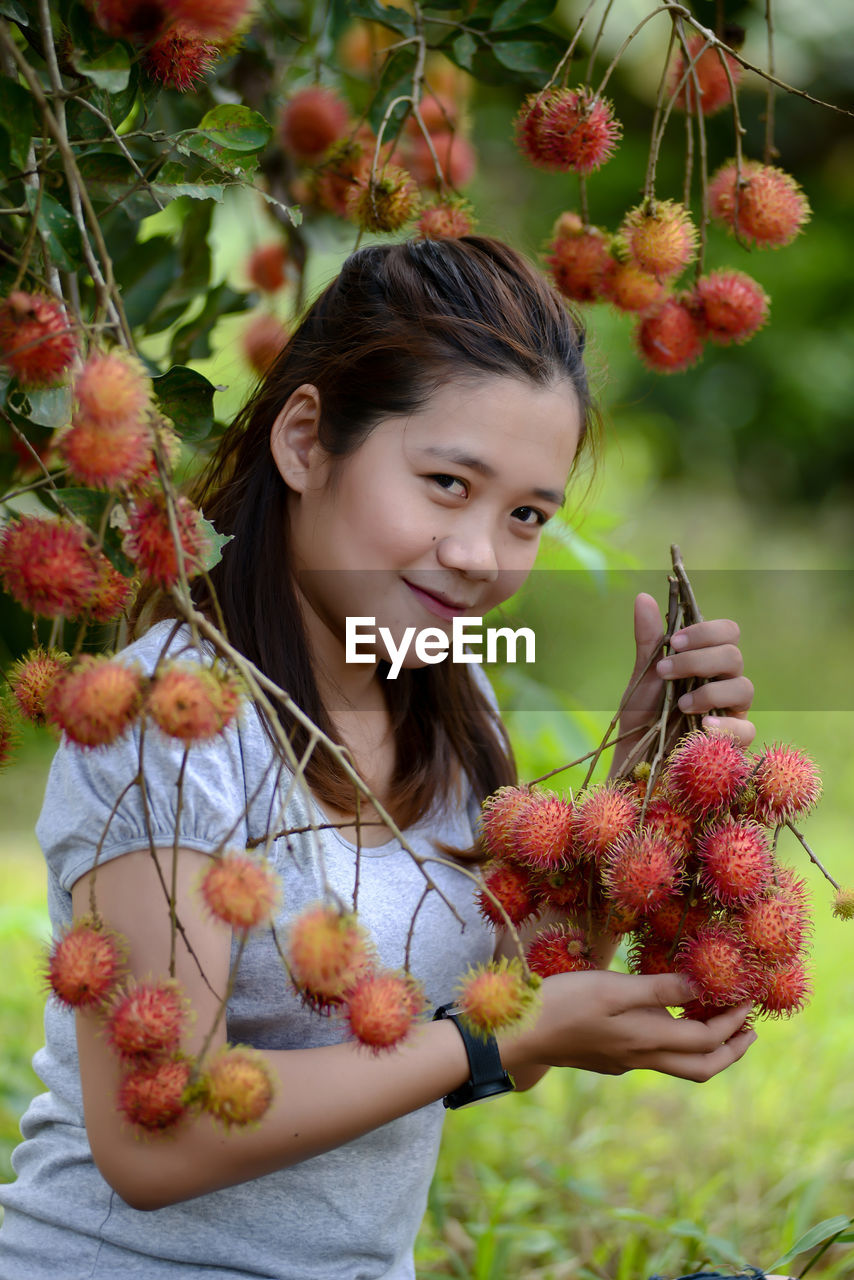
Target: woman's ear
{"points": [[293, 438]]}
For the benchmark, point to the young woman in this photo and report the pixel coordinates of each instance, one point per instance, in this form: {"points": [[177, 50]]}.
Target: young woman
{"points": [[398, 462]]}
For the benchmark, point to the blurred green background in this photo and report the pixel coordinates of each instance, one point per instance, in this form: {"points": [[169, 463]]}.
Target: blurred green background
{"points": [[747, 462]]}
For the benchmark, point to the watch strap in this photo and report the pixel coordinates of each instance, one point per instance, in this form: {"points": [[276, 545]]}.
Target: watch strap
{"points": [[488, 1077]]}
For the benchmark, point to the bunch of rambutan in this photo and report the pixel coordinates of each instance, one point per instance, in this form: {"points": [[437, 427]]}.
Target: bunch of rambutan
{"points": [[686, 871]]}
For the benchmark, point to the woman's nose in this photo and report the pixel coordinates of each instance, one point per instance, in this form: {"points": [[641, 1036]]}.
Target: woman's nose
{"points": [[471, 551]]}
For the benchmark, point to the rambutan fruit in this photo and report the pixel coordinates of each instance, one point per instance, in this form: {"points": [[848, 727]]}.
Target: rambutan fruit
{"points": [[707, 74], [384, 204], [445, 220], [113, 593], [670, 337], [134, 20], [346, 163], [84, 965], [382, 1008], [240, 890], [8, 735], [784, 991], [192, 702], [32, 676], [456, 155], [650, 954], [680, 917], [214, 20], [36, 340], [146, 1020], [237, 1087], [516, 889], [787, 784], [439, 114], [46, 564], [265, 266], [263, 341], [721, 964], [578, 258], [843, 904], [328, 951], [149, 542], [678, 827], [767, 208], [152, 1096], [180, 59], [641, 871], [105, 458], [659, 237], [567, 130], [604, 815], [559, 949], [628, 288], [778, 921], [311, 121], [95, 701], [704, 773], [542, 832], [112, 388], [733, 306], [617, 919], [567, 889], [497, 995], [498, 813], [736, 861]]}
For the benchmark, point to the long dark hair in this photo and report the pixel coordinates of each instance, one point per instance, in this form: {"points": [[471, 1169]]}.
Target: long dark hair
{"points": [[395, 323]]}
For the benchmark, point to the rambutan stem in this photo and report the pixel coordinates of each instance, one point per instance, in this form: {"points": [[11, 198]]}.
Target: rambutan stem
{"points": [[609, 71], [608, 742], [176, 844], [93, 871], [597, 40], [254, 841], [701, 139], [657, 133], [229, 991], [566, 58], [411, 931], [812, 856], [770, 153]]}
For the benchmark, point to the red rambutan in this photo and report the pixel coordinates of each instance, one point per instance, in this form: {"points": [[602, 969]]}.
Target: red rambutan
{"points": [[149, 542], [721, 964], [214, 20], [559, 949], [134, 20], [567, 129], [192, 702], [387, 203], [345, 164], [180, 59], [777, 922], [680, 917], [567, 890], [8, 736], [47, 566], [32, 676], [84, 965], [603, 816], [784, 991], [650, 954], [736, 860], [152, 1096], [641, 871], [456, 155], [95, 701], [311, 121], [36, 341], [628, 288], [237, 1086], [496, 995], [542, 832], [787, 785], [444, 220], [112, 388], [578, 258], [670, 337], [704, 773], [733, 306], [382, 1008], [240, 890], [515, 888], [146, 1020], [265, 266], [766, 209], [113, 593], [498, 813], [263, 340], [104, 458], [328, 951], [707, 74], [659, 237], [678, 827]]}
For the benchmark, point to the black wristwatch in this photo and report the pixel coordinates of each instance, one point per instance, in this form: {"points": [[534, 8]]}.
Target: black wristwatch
{"points": [[488, 1077]]}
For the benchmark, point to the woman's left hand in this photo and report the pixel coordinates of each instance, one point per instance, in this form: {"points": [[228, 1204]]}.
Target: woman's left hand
{"points": [[707, 650]]}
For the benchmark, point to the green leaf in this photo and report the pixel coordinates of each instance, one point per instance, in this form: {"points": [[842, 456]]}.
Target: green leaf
{"points": [[388, 16], [17, 117], [60, 230], [395, 82], [192, 340], [236, 128], [516, 13], [520, 55], [109, 70], [111, 179], [213, 544], [238, 164], [17, 12], [88, 504], [186, 397], [816, 1235], [50, 408], [464, 47], [293, 211], [171, 183]]}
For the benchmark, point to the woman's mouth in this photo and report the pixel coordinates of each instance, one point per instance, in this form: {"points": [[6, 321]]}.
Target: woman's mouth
{"points": [[440, 606]]}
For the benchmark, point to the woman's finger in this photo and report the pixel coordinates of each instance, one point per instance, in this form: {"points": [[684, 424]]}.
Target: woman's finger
{"points": [[726, 695], [720, 660], [701, 1067], [742, 729], [703, 635]]}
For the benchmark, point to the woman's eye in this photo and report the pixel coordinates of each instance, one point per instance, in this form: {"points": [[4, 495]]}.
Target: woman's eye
{"points": [[530, 515], [448, 482]]}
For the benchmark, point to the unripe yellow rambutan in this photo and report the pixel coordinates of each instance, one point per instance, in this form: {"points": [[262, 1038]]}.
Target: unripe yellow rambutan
{"points": [[495, 996], [240, 890], [386, 203], [328, 951], [660, 237], [237, 1088], [32, 677], [191, 702]]}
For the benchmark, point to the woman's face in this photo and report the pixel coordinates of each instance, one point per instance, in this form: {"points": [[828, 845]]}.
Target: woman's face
{"points": [[435, 515]]}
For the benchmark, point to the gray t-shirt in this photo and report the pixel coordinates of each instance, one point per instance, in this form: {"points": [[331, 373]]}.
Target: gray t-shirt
{"points": [[350, 1214]]}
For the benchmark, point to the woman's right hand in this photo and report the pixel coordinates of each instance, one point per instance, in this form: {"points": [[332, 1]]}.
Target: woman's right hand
{"points": [[615, 1022]]}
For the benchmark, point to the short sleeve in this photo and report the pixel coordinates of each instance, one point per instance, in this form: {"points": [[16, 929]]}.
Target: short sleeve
{"points": [[95, 797]]}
